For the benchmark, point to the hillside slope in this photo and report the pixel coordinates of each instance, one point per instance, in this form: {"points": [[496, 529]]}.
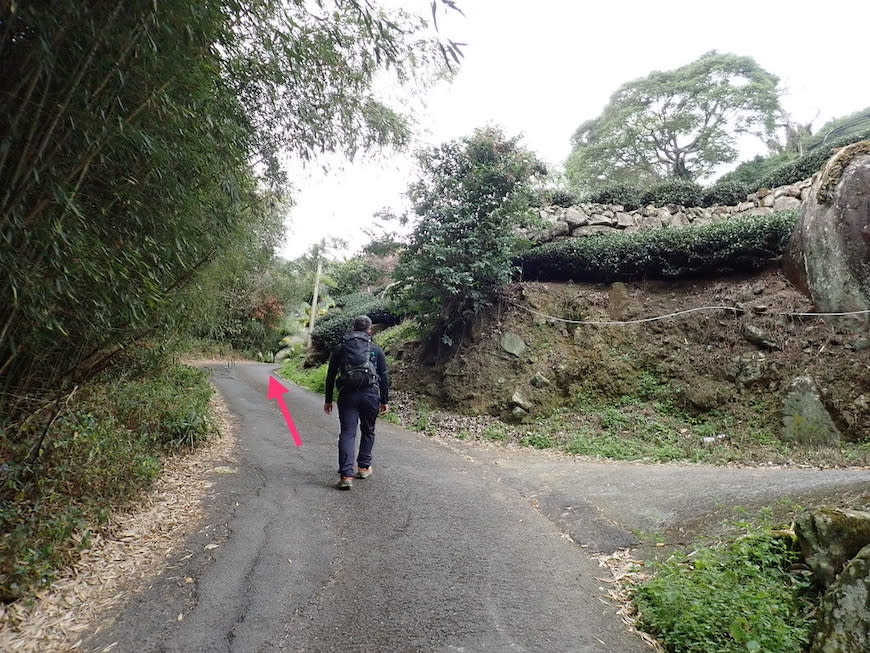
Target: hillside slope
{"points": [[730, 367]]}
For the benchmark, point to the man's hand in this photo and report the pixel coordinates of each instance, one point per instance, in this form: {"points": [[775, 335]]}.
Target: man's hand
{"points": [[327, 408], [384, 408]]}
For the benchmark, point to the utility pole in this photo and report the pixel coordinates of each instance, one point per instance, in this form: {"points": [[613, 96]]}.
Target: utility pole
{"points": [[314, 301]]}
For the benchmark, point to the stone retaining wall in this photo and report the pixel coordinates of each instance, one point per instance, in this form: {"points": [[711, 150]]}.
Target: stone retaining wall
{"points": [[588, 219]]}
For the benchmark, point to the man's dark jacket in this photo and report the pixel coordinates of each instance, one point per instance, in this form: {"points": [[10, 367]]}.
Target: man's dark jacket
{"points": [[335, 363]]}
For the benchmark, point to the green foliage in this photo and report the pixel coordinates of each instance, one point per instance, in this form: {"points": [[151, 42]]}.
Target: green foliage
{"points": [[752, 172], [142, 143], [104, 448], [735, 245], [808, 164], [469, 194], [329, 330], [408, 329], [358, 274], [628, 196], [724, 193], [854, 127], [730, 599], [675, 124], [558, 197], [672, 191], [311, 378]]}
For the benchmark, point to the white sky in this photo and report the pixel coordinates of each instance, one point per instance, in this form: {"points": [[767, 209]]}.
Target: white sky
{"points": [[539, 68]]}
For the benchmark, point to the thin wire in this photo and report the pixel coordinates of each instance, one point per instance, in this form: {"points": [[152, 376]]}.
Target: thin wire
{"points": [[683, 312]]}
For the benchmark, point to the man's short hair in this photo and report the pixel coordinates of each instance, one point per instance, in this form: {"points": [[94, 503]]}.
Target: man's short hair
{"points": [[362, 323]]}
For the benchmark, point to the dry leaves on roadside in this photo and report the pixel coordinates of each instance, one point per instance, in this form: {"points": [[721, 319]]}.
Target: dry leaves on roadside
{"points": [[135, 545]]}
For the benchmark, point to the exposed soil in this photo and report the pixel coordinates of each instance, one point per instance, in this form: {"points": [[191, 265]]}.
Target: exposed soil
{"points": [[737, 363]]}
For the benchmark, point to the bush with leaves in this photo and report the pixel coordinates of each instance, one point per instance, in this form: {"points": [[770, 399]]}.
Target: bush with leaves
{"points": [[105, 446], [752, 172], [470, 194], [330, 329], [733, 598], [629, 197], [808, 164], [672, 191], [558, 197], [724, 193], [734, 245]]}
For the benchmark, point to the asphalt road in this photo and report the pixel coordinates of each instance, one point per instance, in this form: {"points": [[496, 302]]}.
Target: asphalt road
{"points": [[447, 547]]}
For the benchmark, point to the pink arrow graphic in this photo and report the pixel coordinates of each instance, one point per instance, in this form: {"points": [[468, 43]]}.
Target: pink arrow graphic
{"points": [[277, 391]]}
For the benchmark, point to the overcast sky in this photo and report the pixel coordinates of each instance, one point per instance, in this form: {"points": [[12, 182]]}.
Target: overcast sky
{"points": [[539, 68]]}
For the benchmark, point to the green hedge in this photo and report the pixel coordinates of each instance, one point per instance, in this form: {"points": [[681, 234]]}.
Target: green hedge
{"points": [[672, 191], [725, 193], [558, 197], [808, 164], [736, 245], [332, 326], [622, 194]]}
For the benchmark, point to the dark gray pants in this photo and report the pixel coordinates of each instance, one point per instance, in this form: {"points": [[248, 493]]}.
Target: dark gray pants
{"points": [[356, 409]]}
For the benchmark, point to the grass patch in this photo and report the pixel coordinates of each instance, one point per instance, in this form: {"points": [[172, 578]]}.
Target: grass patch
{"points": [[401, 333], [311, 378], [102, 451], [731, 598]]}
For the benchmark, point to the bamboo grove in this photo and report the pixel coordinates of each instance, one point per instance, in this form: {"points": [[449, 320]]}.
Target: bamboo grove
{"points": [[143, 143]]}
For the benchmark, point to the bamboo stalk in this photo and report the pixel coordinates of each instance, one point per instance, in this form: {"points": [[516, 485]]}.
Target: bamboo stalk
{"points": [[62, 109]]}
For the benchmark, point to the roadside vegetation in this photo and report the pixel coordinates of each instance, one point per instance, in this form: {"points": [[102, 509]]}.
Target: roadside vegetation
{"points": [[108, 443], [746, 594]]}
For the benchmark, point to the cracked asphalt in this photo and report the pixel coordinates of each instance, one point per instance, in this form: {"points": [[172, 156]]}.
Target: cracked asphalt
{"points": [[447, 547]]}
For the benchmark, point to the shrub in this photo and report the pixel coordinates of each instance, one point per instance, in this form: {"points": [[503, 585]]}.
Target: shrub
{"points": [[329, 330], [672, 191], [311, 378], [101, 451], [729, 599], [809, 164], [736, 245], [725, 193], [628, 196], [558, 197], [752, 172]]}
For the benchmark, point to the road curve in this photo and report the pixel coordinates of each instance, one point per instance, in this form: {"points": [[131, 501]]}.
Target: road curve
{"points": [[432, 553]]}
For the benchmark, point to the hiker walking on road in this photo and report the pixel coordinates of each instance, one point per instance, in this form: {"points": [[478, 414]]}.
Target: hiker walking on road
{"points": [[363, 393]]}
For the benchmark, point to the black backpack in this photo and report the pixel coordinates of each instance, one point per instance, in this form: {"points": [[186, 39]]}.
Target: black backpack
{"points": [[358, 370]]}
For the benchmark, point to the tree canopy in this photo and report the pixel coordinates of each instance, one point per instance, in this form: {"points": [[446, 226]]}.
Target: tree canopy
{"points": [[142, 141], [468, 195], [675, 124]]}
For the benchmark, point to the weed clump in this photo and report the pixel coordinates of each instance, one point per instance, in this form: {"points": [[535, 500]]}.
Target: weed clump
{"points": [[103, 449], [730, 598]]}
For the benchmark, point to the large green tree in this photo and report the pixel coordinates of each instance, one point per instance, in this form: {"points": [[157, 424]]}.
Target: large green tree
{"points": [[469, 194], [680, 123]]}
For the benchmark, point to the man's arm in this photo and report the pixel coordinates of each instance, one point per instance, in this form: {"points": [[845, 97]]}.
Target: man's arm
{"points": [[331, 371], [383, 376]]}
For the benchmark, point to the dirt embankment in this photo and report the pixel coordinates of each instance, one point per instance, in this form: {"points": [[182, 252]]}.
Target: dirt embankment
{"points": [[738, 363]]}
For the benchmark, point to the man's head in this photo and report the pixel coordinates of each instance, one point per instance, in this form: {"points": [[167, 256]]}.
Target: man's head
{"points": [[362, 323]]}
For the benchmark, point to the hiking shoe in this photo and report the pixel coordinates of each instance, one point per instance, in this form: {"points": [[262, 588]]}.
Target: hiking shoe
{"points": [[364, 472], [345, 483]]}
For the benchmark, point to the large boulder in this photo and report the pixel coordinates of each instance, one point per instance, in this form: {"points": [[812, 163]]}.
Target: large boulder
{"points": [[843, 624], [828, 256], [805, 420], [829, 538]]}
